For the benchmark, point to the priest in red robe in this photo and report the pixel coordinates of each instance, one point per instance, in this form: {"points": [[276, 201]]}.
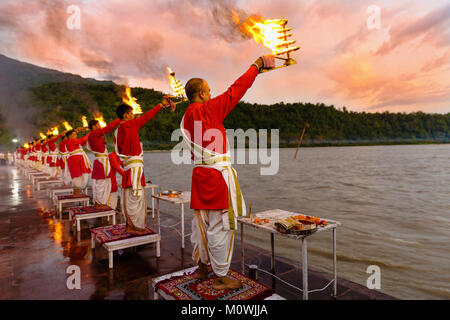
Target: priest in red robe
{"points": [[215, 193], [77, 162], [52, 158], [131, 153], [101, 185]]}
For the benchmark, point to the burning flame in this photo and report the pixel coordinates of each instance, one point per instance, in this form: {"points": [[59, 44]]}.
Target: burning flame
{"points": [[26, 145], [272, 33], [53, 131], [85, 123], [177, 87], [67, 126], [43, 136], [131, 101], [100, 120]]}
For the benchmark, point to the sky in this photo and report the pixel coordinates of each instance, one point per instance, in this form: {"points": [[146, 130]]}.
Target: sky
{"points": [[370, 56]]}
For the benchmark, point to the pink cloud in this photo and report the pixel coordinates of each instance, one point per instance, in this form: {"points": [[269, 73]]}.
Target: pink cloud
{"points": [[402, 66]]}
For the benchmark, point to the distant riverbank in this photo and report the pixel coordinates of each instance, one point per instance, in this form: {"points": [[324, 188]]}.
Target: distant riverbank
{"points": [[160, 146]]}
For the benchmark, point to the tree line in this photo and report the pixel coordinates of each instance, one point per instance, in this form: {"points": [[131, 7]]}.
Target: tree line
{"points": [[68, 101]]}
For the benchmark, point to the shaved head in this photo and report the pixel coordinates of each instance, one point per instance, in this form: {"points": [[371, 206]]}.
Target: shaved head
{"points": [[193, 87]]}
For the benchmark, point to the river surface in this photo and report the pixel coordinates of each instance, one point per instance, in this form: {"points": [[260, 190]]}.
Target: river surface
{"points": [[393, 203]]}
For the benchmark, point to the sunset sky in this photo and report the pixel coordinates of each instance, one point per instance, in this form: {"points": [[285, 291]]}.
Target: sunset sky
{"points": [[404, 66]]}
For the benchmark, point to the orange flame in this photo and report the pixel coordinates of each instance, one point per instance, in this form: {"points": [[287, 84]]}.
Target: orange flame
{"points": [[131, 101], [26, 145], [43, 136], [272, 33], [84, 120], [175, 84], [53, 131], [67, 126], [100, 120]]}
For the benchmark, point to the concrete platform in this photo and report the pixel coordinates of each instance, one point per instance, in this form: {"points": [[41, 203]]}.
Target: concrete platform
{"points": [[36, 251]]}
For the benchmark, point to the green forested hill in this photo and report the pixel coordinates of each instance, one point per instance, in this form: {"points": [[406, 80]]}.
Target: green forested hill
{"points": [[328, 125], [33, 99]]}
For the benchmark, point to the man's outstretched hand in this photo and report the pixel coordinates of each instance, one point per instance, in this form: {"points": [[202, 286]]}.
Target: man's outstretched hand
{"points": [[265, 62], [167, 102]]}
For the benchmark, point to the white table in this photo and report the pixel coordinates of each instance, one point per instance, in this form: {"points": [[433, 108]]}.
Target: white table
{"points": [[30, 172], [59, 203], [276, 214], [152, 187], [36, 175], [85, 216], [185, 197], [55, 191], [26, 171], [112, 246], [50, 181]]}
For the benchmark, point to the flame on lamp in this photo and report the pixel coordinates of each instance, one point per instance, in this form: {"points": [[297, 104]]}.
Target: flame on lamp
{"points": [[175, 84], [67, 126], [100, 120], [84, 120], [131, 101]]}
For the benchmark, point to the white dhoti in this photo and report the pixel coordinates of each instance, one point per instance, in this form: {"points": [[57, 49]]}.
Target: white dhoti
{"points": [[134, 208], [101, 189], [211, 240], [67, 179], [112, 200], [81, 182], [52, 171]]}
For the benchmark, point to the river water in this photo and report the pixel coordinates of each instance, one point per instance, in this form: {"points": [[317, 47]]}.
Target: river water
{"points": [[393, 203]]}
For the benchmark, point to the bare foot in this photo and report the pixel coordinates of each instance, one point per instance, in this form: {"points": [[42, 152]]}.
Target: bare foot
{"points": [[203, 270], [224, 283], [100, 206], [77, 193], [136, 231]]}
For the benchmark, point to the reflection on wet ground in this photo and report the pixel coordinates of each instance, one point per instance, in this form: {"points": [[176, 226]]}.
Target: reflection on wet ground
{"points": [[36, 249]]}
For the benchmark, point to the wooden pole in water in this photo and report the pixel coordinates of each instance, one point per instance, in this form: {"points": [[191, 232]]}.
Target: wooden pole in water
{"points": [[301, 138]]}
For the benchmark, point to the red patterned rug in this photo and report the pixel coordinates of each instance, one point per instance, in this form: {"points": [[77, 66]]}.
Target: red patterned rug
{"points": [[114, 233], [65, 197], [188, 287], [84, 210]]}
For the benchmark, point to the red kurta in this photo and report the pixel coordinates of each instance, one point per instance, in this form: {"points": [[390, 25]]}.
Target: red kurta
{"points": [[62, 149], [209, 189], [128, 140], [96, 144], [44, 150], [52, 148], [115, 167], [76, 164]]}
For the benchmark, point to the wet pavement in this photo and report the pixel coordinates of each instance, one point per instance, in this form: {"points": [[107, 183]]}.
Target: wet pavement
{"points": [[36, 249]]}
